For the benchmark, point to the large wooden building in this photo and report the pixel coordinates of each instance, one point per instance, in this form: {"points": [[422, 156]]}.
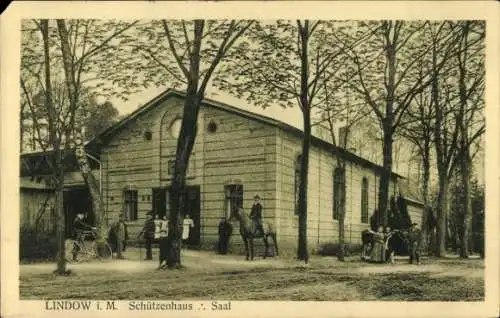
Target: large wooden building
{"points": [[237, 155]]}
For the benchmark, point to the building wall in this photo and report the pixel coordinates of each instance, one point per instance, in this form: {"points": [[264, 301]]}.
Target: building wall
{"points": [[415, 211], [241, 151], [322, 228], [36, 198], [36, 203], [132, 162]]}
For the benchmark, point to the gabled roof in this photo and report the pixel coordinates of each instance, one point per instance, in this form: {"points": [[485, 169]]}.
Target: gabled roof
{"points": [[102, 138], [36, 163]]}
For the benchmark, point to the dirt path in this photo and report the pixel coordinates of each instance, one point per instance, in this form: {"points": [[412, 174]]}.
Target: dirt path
{"points": [[134, 263], [433, 269], [207, 261]]}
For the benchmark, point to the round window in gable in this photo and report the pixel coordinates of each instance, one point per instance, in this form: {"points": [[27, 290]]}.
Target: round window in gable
{"points": [[212, 127], [148, 135]]}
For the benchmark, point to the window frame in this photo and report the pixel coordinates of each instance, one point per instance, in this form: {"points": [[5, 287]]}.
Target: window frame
{"points": [[231, 197], [131, 204]]}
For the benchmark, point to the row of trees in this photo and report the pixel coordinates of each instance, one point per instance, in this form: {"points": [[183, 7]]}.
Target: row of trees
{"points": [[415, 78]]}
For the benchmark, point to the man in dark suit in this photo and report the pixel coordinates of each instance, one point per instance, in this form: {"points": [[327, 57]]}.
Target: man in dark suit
{"points": [[118, 236], [256, 215], [148, 232], [225, 231]]}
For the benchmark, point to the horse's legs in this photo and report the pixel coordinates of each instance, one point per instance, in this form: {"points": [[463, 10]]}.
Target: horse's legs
{"points": [[246, 247], [251, 249], [275, 242], [266, 246]]}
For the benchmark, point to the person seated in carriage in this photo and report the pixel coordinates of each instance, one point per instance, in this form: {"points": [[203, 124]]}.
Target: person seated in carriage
{"points": [[256, 215]]}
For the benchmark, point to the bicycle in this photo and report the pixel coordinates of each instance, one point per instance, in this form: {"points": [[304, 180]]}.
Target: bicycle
{"points": [[86, 248]]}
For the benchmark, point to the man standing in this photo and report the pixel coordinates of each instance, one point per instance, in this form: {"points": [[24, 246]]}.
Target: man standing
{"points": [[256, 215], [225, 231], [413, 243], [148, 232], [121, 236]]}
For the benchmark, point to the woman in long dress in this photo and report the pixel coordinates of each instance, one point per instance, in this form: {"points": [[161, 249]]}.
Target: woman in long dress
{"points": [[163, 242], [378, 252]]}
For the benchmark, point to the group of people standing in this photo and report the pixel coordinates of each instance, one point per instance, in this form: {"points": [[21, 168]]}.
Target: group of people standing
{"points": [[383, 248], [380, 252], [155, 230]]}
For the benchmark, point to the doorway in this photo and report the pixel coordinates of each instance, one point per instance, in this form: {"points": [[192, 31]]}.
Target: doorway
{"points": [[75, 201], [161, 207]]}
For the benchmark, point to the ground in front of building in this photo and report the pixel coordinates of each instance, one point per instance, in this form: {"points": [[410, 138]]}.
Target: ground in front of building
{"points": [[210, 276]]}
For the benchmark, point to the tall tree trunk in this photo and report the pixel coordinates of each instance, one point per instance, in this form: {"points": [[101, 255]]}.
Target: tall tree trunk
{"points": [[56, 162], [83, 163], [425, 195], [342, 197], [302, 251], [93, 185], [442, 212], [385, 178], [60, 217], [185, 146], [466, 204]]}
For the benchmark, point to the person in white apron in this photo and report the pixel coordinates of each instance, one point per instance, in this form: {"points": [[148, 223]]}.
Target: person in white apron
{"points": [[158, 222], [163, 241], [186, 227]]}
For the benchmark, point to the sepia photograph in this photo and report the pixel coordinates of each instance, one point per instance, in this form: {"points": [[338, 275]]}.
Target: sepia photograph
{"points": [[164, 161]]}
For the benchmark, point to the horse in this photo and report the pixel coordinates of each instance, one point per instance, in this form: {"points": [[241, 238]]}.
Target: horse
{"points": [[247, 232]]}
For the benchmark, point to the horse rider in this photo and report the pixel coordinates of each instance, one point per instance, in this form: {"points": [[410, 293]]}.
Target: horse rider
{"points": [[256, 215]]}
